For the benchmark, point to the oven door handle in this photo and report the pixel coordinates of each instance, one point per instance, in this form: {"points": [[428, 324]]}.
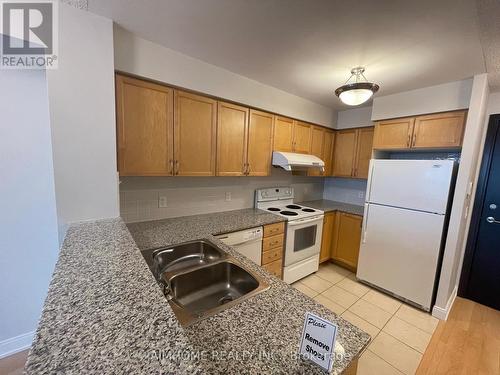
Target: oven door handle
{"points": [[293, 223]]}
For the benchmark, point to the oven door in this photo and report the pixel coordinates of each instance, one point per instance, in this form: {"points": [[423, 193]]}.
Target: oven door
{"points": [[303, 239]]}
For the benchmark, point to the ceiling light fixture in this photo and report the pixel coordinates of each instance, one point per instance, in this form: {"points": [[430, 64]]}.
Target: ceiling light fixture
{"points": [[358, 90]]}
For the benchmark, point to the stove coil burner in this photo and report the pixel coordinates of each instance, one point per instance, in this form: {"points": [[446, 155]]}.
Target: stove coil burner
{"points": [[289, 213], [273, 209], [308, 210], [293, 206]]}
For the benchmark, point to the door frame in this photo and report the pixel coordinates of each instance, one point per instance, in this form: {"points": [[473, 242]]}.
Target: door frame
{"points": [[482, 182]]}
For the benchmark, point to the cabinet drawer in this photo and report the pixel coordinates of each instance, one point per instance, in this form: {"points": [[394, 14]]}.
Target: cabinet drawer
{"points": [[272, 255], [273, 229], [269, 243], [274, 268]]}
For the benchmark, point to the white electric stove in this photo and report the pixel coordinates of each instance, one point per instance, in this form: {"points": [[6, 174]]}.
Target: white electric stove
{"points": [[303, 234]]}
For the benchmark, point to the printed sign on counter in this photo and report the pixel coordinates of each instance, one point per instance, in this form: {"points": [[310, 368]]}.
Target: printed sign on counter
{"points": [[318, 341]]}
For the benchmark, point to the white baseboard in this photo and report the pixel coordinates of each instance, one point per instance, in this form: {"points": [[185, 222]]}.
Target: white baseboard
{"points": [[442, 313], [16, 344]]}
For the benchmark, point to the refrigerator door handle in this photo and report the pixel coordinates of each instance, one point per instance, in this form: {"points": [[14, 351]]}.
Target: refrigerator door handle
{"points": [[365, 223]]}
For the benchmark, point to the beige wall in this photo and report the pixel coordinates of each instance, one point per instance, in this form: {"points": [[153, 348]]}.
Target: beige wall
{"points": [[144, 58], [354, 118], [82, 119], [439, 98], [462, 202]]}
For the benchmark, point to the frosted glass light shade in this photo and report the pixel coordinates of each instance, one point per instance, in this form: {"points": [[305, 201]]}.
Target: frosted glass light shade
{"points": [[355, 96]]}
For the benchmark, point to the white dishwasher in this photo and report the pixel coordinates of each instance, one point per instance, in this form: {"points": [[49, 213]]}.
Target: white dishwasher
{"points": [[247, 242]]}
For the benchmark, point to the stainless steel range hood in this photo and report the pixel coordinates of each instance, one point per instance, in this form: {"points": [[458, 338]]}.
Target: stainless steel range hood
{"points": [[291, 161]]}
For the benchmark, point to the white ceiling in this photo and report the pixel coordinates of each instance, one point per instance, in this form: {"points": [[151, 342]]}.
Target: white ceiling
{"points": [[307, 47]]}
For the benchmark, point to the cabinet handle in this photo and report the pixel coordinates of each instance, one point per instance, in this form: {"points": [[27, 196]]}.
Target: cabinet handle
{"points": [[408, 142], [177, 167], [414, 140], [171, 163]]}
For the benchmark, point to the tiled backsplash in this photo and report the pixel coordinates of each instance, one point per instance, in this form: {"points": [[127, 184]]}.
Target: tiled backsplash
{"points": [[139, 196], [346, 190]]}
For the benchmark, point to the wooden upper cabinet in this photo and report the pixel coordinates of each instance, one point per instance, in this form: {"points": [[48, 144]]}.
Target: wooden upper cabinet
{"points": [[144, 127], [347, 235], [439, 130], [328, 143], [302, 137], [393, 134], [317, 146], [195, 130], [232, 123], [283, 134], [344, 153], [260, 143], [363, 152]]}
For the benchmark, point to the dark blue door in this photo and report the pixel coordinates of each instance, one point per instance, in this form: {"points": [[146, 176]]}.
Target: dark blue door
{"points": [[484, 278]]}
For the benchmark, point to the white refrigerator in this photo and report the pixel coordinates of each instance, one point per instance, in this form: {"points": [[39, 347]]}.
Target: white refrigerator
{"points": [[404, 226]]}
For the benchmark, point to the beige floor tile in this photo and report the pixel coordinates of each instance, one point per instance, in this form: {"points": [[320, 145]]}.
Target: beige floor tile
{"points": [[418, 318], [408, 333], [371, 313], [329, 304], [316, 283], [352, 276], [371, 364], [354, 287], [341, 271], [393, 351], [305, 289], [385, 302], [340, 296], [329, 274], [361, 323]]}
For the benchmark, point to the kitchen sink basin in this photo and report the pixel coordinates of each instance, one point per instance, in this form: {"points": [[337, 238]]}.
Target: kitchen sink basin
{"points": [[177, 257], [186, 255], [200, 280]]}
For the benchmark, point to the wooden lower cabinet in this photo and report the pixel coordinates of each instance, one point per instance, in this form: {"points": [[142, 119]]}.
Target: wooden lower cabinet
{"points": [[347, 238], [272, 248], [327, 237], [275, 268]]}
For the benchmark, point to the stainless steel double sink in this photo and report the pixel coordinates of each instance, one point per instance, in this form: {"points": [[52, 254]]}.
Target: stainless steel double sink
{"points": [[199, 279]]}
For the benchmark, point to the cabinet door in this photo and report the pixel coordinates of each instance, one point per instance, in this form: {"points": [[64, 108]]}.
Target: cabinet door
{"points": [[144, 127], [344, 153], [283, 134], [301, 137], [317, 138], [260, 142], [347, 241], [195, 129], [363, 152], [328, 152], [443, 130], [232, 123], [327, 237], [393, 134]]}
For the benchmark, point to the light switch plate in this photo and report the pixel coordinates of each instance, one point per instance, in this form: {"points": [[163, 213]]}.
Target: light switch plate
{"points": [[162, 201], [228, 196]]}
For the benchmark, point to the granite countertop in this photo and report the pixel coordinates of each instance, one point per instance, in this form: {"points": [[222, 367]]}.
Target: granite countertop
{"points": [[105, 313], [328, 206]]}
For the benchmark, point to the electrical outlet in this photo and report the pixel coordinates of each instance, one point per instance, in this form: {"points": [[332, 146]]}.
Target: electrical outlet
{"points": [[361, 194], [162, 201], [228, 196]]}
